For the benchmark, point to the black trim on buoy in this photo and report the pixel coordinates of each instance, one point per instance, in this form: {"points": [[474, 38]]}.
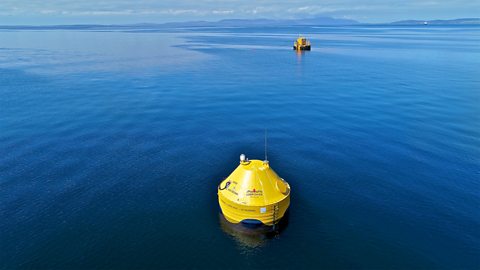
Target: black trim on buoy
{"points": [[226, 185]]}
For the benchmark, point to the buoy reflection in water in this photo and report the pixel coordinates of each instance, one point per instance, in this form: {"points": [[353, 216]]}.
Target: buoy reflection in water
{"points": [[253, 236]]}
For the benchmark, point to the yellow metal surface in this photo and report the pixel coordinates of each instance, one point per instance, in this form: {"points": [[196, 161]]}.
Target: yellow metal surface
{"points": [[301, 42], [254, 192]]}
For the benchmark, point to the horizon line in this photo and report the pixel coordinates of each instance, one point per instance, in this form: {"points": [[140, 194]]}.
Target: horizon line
{"points": [[238, 19]]}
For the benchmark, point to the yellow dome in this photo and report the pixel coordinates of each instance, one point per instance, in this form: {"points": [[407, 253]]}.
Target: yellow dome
{"points": [[301, 44], [254, 193]]}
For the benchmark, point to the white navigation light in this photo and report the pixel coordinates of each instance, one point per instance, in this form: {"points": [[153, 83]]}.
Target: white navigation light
{"points": [[242, 158]]}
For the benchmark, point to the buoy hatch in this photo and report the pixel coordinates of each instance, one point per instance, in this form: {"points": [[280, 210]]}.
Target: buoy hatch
{"points": [[253, 193]]}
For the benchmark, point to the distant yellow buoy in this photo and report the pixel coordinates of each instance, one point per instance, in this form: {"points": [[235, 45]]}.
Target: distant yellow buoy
{"points": [[301, 44], [254, 194]]}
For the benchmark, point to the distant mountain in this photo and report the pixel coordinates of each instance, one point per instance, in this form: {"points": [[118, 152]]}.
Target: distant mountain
{"points": [[439, 22], [264, 22], [316, 21]]}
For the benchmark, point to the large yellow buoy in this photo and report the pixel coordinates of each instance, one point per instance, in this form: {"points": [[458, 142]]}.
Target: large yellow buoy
{"points": [[254, 194]]}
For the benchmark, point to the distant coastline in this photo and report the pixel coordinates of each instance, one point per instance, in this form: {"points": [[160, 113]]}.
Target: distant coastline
{"points": [[316, 21], [463, 21]]}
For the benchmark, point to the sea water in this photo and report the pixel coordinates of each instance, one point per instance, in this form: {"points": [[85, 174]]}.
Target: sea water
{"points": [[113, 141]]}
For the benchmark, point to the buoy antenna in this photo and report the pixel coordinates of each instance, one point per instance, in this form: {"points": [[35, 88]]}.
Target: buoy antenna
{"points": [[266, 156]]}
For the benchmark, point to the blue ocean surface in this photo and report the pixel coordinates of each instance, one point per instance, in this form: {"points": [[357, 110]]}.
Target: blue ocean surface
{"points": [[113, 141]]}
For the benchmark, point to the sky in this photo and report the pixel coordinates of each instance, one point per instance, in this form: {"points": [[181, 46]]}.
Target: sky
{"points": [[48, 12]]}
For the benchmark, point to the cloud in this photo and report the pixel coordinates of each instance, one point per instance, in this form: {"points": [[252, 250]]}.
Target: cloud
{"points": [[313, 9], [260, 10], [129, 12], [223, 12]]}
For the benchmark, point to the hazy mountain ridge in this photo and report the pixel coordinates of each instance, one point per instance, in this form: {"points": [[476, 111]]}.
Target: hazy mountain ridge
{"points": [[316, 21], [267, 22], [221, 23]]}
